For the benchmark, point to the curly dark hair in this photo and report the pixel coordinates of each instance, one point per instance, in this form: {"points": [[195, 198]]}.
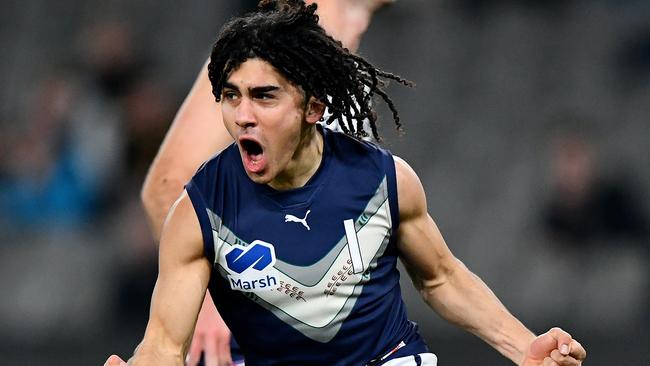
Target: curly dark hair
{"points": [[286, 34]]}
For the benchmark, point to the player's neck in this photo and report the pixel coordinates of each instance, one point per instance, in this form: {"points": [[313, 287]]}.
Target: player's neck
{"points": [[305, 161]]}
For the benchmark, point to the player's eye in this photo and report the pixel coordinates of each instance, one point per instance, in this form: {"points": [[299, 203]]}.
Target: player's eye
{"points": [[264, 96], [229, 95]]}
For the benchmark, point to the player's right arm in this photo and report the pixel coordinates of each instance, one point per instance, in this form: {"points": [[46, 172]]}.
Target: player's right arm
{"points": [[183, 277]]}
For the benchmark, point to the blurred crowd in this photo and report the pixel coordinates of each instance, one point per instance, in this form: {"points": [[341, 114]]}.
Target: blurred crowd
{"points": [[76, 158], [78, 261], [87, 137]]}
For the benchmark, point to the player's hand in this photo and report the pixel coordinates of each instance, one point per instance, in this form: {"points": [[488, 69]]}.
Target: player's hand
{"points": [[554, 348], [114, 360], [211, 336]]}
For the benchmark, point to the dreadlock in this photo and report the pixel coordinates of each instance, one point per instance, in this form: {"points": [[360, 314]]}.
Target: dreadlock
{"points": [[286, 34]]}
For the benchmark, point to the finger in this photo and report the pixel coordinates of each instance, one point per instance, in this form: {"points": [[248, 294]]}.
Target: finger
{"points": [[212, 357], [569, 361], [114, 360], [563, 340], [562, 360], [549, 362], [542, 346], [577, 351], [194, 354], [224, 350]]}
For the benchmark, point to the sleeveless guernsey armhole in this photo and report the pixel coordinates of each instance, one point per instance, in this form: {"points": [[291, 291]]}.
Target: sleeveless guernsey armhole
{"points": [[391, 179], [204, 220]]}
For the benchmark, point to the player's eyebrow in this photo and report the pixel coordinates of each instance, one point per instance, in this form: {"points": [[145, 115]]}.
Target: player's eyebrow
{"points": [[263, 89], [227, 85], [253, 90]]}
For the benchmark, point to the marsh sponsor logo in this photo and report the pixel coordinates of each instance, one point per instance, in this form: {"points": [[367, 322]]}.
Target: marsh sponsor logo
{"points": [[251, 268]]}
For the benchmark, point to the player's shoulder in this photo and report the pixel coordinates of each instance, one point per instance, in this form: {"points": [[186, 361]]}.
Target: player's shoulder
{"points": [[409, 188], [403, 168], [407, 178], [181, 235]]}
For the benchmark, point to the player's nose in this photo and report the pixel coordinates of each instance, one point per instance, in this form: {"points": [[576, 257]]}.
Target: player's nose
{"points": [[244, 115]]}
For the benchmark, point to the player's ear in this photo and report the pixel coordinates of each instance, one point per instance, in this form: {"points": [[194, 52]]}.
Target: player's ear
{"points": [[315, 110]]}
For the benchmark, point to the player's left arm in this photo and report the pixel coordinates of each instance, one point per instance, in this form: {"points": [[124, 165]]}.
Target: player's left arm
{"points": [[460, 296]]}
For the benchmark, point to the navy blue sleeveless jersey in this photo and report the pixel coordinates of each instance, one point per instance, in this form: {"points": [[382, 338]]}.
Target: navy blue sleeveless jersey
{"points": [[307, 276]]}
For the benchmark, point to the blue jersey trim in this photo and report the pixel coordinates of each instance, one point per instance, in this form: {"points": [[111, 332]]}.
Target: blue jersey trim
{"points": [[194, 193], [391, 179]]}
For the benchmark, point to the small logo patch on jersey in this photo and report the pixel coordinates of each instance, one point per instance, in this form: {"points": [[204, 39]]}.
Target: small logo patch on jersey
{"points": [[303, 221], [251, 268]]}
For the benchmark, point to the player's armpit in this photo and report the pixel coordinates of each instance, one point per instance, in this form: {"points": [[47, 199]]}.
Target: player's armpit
{"points": [[182, 281], [196, 134]]}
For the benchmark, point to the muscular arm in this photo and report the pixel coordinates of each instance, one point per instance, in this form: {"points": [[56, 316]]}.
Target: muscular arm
{"points": [[182, 281], [444, 282]]}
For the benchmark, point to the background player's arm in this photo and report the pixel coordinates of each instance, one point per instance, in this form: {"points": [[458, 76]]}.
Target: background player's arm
{"points": [[183, 277], [452, 290], [197, 133]]}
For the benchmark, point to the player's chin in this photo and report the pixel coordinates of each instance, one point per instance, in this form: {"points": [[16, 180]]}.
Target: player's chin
{"points": [[259, 177]]}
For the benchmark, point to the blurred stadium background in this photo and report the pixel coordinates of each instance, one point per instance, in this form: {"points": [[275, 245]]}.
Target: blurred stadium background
{"points": [[529, 126]]}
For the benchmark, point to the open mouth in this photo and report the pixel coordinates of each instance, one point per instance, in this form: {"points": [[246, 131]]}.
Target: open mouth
{"points": [[253, 155], [252, 148]]}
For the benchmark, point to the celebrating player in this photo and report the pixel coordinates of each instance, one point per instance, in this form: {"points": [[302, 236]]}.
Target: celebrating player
{"points": [[196, 134], [296, 229]]}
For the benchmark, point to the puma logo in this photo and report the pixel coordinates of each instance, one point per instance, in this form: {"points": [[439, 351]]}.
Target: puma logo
{"points": [[303, 221]]}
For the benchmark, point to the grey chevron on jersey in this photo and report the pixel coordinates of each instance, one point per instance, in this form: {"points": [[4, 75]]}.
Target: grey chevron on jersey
{"points": [[326, 333], [312, 274]]}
